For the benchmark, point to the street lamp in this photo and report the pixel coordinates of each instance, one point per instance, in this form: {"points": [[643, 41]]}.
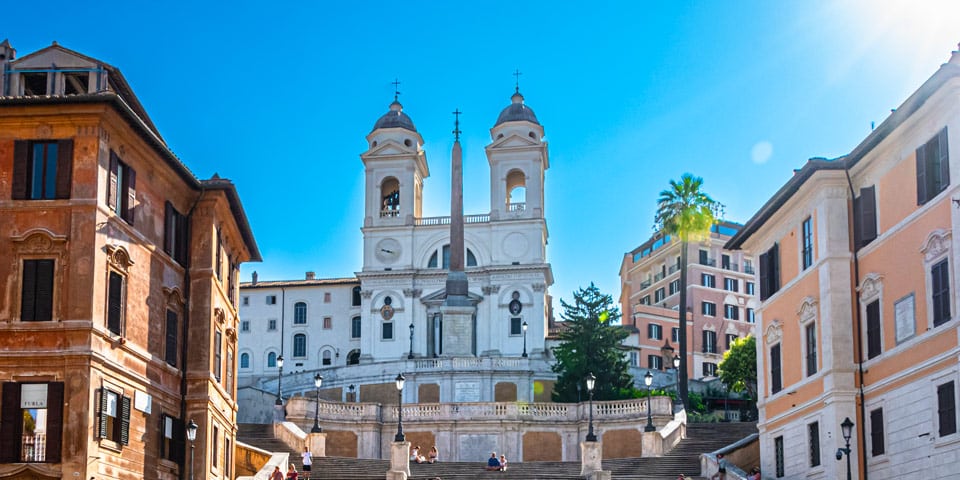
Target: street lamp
{"points": [[648, 380], [591, 382], [399, 380], [191, 435], [847, 429], [317, 381], [524, 339], [410, 355], [352, 397], [279, 380], [676, 371]]}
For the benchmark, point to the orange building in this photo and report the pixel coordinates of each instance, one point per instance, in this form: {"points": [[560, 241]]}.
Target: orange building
{"points": [[857, 280], [118, 273]]}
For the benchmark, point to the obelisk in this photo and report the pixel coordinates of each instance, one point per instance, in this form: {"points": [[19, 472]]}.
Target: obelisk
{"points": [[457, 309]]}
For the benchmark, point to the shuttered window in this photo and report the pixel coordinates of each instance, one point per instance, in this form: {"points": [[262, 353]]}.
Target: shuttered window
{"points": [[36, 299], [115, 304], [933, 167], [175, 234], [940, 294], [121, 188], [709, 341], [874, 344], [807, 236], [810, 333], [865, 213], [31, 426], [217, 354], [770, 272], [776, 383], [173, 327], [813, 434], [876, 432], [42, 170], [171, 438], [946, 409]]}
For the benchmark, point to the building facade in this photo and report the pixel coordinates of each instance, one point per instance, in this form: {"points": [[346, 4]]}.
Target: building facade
{"points": [[721, 300], [113, 259], [361, 332], [857, 280]]}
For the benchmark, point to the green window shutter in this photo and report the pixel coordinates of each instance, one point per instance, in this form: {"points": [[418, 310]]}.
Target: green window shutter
{"points": [[124, 420]]}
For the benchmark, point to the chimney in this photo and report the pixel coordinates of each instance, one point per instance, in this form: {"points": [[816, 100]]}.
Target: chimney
{"points": [[254, 277], [311, 276]]}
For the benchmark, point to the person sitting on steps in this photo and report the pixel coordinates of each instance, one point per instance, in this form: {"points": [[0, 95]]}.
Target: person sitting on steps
{"points": [[492, 463]]}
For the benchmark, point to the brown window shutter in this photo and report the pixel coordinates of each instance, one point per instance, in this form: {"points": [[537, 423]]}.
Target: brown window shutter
{"points": [[775, 267], [868, 215], [102, 428], [921, 175], [112, 182], [764, 276], [182, 254], [115, 304], [124, 420], [179, 441], [11, 420], [54, 421], [28, 295], [169, 229], [64, 168], [21, 167], [944, 160], [173, 324], [44, 299], [130, 202]]}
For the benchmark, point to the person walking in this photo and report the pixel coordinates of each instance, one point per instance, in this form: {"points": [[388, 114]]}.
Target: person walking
{"points": [[307, 462]]}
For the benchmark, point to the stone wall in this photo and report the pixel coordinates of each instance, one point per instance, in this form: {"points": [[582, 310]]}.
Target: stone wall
{"points": [[542, 447]]}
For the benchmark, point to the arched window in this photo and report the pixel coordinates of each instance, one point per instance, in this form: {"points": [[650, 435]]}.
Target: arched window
{"points": [[353, 358], [300, 345], [326, 357], [356, 296], [355, 327], [299, 313], [244, 360], [272, 360], [390, 197], [516, 191], [433, 262]]}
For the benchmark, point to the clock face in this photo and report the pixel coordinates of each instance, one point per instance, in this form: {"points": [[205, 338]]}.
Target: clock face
{"points": [[387, 250]]}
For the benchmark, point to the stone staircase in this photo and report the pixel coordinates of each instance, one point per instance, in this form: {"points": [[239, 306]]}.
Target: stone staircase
{"points": [[685, 458]]}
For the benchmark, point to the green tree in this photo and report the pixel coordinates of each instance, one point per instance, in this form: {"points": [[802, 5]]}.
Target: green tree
{"points": [[685, 213], [591, 343], [738, 369]]}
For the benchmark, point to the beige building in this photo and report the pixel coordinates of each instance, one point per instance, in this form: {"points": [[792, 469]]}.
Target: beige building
{"points": [[857, 280], [118, 273], [720, 300]]}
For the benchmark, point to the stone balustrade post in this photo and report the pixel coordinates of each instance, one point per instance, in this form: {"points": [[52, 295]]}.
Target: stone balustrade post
{"points": [[317, 443], [399, 461], [591, 456]]}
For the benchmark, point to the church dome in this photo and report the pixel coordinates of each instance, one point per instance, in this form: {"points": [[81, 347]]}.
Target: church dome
{"points": [[395, 118], [517, 112]]}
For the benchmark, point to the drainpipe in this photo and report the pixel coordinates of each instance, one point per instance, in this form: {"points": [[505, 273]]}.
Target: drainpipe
{"points": [[859, 321], [186, 329]]}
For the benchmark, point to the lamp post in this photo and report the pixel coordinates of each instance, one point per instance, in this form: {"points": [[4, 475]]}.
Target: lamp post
{"points": [[847, 429], [399, 380], [648, 380], [191, 435], [676, 371], [591, 382], [317, 381], [410, 355], [353, 398], [279, 380], [524, 339]]}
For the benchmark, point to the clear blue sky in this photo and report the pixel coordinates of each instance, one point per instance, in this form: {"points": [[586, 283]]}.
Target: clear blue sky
{"points": [[278, 97]]}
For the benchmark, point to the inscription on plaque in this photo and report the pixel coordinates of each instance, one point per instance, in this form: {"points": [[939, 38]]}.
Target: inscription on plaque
{"points": [[466, 392], [904, 315]]}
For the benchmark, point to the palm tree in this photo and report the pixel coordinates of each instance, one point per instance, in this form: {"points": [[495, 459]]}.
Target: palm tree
{"points": [[686, 213]]}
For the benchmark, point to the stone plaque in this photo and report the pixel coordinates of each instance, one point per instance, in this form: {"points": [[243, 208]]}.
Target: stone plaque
{"points": [[466, 392], [477, 448], [904, 314]]}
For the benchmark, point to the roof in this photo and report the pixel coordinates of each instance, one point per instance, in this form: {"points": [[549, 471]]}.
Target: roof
{"points": [[395, 118], [301, 283], [517, 112], [239, 215]]}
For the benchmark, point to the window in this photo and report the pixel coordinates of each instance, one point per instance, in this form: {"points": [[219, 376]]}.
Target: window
{"points": [[31, 426], [704, 257], [876, 432], [709, 341], [750, 288], [245, 326], [114, 417], [675, 334], [272, 360], [300, 313], [353, 358], [386, 332], [813, 438], [75, 83], [725, 261], [751, 316], [271, 299], [173, 330], [731, 284], [778, 455], [244, 360], [355, 327], [218, 267], [433, 262], [175, 235], [654, 362], [227, 461], [327, 323], [217, 355], [874, 343], [807, 238], [516, 326], [272, 325], [229, 384], [170, 438], [776, 383], [36, 298], [940, 292], [300, 345], [770, 272], [810, 333], [731, 312], [731, 337], [34, 83], [865, 217], [326, 297], [654, 331], [674, 287], [246, 300], [708, 308], [634, 359], [708, 280], [645, 300], [326, 358], [215, 440], [356, 296], [946, 409], [709, 369], [42, 170], [115, 303], [121, 189], [658, 296], [933, 167]]}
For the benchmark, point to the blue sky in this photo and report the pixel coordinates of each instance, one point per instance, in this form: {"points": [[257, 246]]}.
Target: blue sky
{"points": [[278, 97]]}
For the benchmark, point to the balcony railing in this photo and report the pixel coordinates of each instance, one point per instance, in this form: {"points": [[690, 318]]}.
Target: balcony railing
{"points": [[748, 269], [33, 447], [673, 268], [733, 267], [389, 213], [479, 218], [710, 262], [659, 276], [516, 207], [645, 284]]}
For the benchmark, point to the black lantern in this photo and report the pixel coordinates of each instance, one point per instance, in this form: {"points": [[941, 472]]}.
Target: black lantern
{"points": [[410, 355], [317, 381], [648, 380], [191, 435], [591, 382], [399, 381], [846, 428], [524, 339], [280, 380]]}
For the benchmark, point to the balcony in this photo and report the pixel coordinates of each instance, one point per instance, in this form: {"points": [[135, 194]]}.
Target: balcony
{"points": [[748, 269], [426, 221], [390, 213], [672, 269], [645, 284], [659, 276], [516, 207], [733, 267], [710, 262]]}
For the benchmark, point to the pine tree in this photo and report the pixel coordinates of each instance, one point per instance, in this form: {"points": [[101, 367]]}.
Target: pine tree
{"points": [[591, 343]]}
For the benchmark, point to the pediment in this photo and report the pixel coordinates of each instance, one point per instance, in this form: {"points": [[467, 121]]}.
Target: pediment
{"points": [[390, 147], [513, 140], [55, 55]]}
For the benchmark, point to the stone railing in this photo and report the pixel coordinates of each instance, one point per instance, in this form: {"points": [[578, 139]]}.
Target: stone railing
{"points": [[290, 434], [476, 218], [470, 363], [745, 452]]}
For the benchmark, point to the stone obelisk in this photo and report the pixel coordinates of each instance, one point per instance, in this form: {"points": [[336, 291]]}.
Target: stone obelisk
{"points": [[457, 309]]}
